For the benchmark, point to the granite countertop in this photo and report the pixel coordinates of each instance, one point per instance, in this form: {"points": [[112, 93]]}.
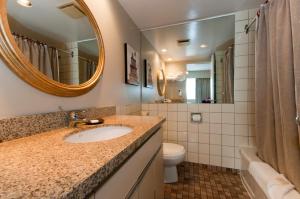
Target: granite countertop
{"points": [[44, 166]]}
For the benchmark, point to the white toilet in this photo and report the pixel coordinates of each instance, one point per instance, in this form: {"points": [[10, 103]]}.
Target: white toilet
{"points": [[173, 154]]}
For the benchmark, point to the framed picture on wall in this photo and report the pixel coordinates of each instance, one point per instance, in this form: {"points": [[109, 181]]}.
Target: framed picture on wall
{"points": [[148, 80], [132, 66]]}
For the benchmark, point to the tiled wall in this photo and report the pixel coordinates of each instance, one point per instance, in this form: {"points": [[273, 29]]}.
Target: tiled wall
{"points": [[225, 127], [129, 109]]}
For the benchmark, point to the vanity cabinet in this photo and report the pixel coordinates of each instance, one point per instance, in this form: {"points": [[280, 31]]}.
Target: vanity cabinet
{"points": [[140, 177]]}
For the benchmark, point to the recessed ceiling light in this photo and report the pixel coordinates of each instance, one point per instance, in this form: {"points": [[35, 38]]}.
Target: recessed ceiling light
{"points": [[203, 46], [164, 50], [170, 59], [25, 3]]}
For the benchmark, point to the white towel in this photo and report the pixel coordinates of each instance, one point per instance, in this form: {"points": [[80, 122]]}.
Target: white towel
{"points": [[279, 187]]}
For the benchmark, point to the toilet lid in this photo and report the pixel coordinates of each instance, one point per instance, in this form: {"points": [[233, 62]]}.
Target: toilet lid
{"points": [[170, 150]]}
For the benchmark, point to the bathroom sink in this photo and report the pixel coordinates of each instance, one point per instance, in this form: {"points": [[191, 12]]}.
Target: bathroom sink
{"points": [[98, 134]]}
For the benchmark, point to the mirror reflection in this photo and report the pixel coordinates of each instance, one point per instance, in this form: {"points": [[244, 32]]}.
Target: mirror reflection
{"points": [[198, 58], [161, 82], [63, 47]]}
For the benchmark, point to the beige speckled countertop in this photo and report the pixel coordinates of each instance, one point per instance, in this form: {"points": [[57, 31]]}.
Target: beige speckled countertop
{"points": [[44, 166]]}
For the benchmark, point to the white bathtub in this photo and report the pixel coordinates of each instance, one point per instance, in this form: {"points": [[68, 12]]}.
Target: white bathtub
{"points": [[256, 185]]}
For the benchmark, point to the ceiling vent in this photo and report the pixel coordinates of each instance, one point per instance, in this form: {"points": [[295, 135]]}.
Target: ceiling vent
{"points": [[183, 42], [72, 10]]}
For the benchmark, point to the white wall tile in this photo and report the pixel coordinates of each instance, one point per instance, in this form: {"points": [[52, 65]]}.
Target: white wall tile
{"points": [[215, 160], [205, 117], [228, 162], [193, 137], [241, 73], [172, 126], [182, 116], [227, 140], [241, 107], [193, 157], [163, 107], [153, 107], [172, 107], [215, 108], [215, 128], [203, 159], [145, 107], [182, 126], [193, 108], [240, 25], [182, 136], [192, 147], [227, 118], [215, 150], [182, 107], [241, 118], [241, 130], [215, 139], [215, 118], [241, 61], [172, 116], [204, 108], [241, 141], [241, 49], [237, 164], [204, 138], [203, 148], [204, 128], [227, 129], [241, 38], [242, 15], [193, 127], [172, 135], [227, 151], [228, 108]]}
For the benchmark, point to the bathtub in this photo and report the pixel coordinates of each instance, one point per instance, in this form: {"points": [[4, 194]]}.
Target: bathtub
{"points": [[256, 184]]}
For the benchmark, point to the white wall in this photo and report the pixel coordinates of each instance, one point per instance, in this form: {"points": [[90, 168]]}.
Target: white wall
{"points": [[18, 98]]}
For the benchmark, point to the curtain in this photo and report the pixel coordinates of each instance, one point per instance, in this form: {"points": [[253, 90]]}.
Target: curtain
{"points": [[43, 58], [295, 7], [276, 130], [202, 89], [228, 75], [87, 69]]}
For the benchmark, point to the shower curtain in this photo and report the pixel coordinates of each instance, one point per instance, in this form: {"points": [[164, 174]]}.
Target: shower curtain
{"points": [[228, 76], [87, 69], [43, 58], [202, 89], [276, 129]]}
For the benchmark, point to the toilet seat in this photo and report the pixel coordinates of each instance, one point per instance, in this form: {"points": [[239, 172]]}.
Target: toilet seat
{"points": [[172, 151]]}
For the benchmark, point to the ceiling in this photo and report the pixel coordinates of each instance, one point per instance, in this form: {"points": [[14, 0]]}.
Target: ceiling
{"points": [[213, 33], [154, 13], [46, 19]]}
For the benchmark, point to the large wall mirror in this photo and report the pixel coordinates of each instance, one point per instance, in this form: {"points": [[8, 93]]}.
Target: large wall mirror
{"points": [[54, 45], [198, 58]]}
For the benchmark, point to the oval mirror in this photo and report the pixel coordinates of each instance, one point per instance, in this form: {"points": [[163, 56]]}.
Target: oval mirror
{"points": [[161, 83], [54, 45]]}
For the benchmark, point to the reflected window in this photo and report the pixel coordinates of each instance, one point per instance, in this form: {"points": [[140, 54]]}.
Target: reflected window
{"points": [[191, 88]]}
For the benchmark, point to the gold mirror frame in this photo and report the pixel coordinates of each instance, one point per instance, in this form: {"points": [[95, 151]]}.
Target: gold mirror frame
{"points": [[21, 66], [161, 92]]}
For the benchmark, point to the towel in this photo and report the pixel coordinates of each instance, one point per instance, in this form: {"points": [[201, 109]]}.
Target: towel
{"points": [[279, 187]]}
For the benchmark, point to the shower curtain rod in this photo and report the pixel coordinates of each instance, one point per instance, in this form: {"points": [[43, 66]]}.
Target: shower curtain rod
{"points": [[248, 26], [41, 43]]}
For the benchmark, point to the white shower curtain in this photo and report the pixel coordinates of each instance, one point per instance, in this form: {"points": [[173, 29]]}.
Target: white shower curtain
{"points": [[276, 76], [40, 57]]}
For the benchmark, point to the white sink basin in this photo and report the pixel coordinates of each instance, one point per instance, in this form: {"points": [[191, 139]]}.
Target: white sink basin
{"points": [[98, 134]]}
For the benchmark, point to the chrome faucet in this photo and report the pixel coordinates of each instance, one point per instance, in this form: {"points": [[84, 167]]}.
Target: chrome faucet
{"points": [[74, 118]]}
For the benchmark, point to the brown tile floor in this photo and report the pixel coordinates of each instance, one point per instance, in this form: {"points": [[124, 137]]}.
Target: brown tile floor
{"points": [[206, 182]]}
